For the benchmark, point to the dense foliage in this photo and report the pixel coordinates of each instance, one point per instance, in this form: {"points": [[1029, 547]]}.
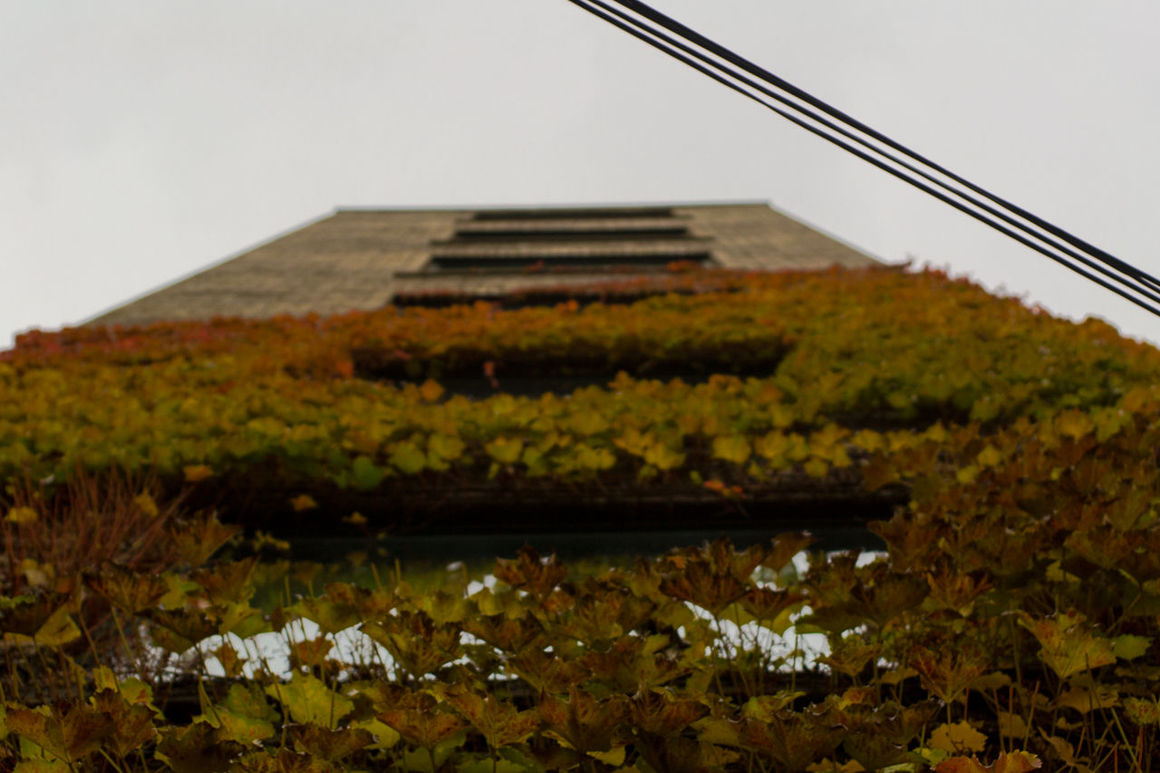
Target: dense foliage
{"points": [[1012, 622], [813, 372], [1014, 619]]}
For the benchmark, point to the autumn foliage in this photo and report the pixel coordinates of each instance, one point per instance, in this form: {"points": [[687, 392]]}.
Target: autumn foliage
{"points": [[1010, 624], [786, 378]]}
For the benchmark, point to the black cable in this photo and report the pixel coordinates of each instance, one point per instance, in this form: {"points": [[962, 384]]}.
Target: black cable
{"points": [[692, 35], [670, 43], [674, 48], [1134, 274]]}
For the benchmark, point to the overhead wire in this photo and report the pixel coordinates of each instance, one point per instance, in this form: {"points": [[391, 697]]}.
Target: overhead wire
{"points": [[676, 27], [663, 42], [825, 121], [672, 24]]}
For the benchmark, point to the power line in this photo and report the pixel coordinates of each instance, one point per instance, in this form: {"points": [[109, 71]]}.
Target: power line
{"points": [[656, 38], [729, 56], [831, 124], [1130, 275]]}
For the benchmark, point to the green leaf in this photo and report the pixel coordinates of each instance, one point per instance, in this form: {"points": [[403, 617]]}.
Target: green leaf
{"points": [[408, 458], [308, 699], [244, 715], [1129, 647], [366, 475]]}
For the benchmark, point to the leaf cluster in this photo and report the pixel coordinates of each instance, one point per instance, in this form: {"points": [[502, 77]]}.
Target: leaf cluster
{"points": [[1012, 622], [628, 669], [840, 366], [1013, 619]]}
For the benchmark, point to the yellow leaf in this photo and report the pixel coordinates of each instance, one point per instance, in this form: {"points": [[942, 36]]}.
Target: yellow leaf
{"points": [[1136, 399], [1068, 647], [662, 457], [773, 447], [937, 432], [197, 472], [1007, 762], [1143, 711], [1109, 421], [355, 519], [731, 448], [104, 678], [896, 676], [1012, 725], [308, 699], [829, 766], [1083, 699], [303, 502], [588, 423], [36, 573], [385, 735], [957, 738], [22, 515], [988, 683], [901, 441], [614, 756], [816, 468], [446, 447], [147, 505], [533, 459], [832, 453], [588, 458], [781, 415], [869, 440], [430, 391], [1074, 424], [989, 457], [408, 458], [798, 450], [827, 438], [58, 630], [634, 442], [1062, 747], [505, 450], [1130, 647], [718, 730], [966, 475]]}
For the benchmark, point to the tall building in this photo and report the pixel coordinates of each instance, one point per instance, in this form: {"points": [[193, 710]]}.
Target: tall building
{"points": [[360, 259]]}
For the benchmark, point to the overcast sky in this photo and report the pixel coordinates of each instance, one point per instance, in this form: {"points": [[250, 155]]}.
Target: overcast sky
{"points": [[143, 140]]}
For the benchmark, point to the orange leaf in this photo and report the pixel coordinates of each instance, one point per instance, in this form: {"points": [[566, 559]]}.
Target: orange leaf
{"points": [[303, 502], [197, 472]]}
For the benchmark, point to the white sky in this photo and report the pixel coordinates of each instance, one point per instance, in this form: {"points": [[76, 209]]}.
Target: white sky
{"points": [[143, 140]]}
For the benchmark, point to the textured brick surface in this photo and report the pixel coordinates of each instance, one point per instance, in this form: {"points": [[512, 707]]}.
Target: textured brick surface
{"points": [[589, 248], [352, 259]]}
